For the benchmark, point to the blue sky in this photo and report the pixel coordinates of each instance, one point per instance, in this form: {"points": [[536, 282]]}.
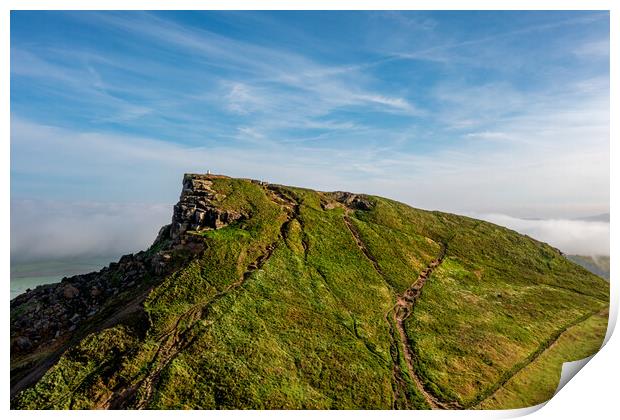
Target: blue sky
{"points": [[470, 112]]}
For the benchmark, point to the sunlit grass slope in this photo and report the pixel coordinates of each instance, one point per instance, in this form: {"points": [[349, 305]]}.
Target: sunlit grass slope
{"points": [[284, 309]]}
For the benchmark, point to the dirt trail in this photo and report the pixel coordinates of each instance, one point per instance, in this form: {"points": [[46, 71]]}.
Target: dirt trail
{"points": [[174, 342], [401, 310], [362, 246], [398, 383], [405, 303]]}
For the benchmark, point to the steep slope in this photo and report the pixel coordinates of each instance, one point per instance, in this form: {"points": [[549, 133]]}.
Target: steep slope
{"points": [[265, 296]]}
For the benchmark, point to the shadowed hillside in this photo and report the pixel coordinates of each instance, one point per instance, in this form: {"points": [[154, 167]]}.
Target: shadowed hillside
{"points": [[266, 296]]}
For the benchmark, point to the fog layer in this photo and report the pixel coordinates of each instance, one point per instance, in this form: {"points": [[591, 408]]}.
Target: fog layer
{"points": [[583, 237], [49, 230]]}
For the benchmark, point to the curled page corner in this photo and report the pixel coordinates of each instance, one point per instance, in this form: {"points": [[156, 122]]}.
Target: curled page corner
{"points": [[569, 370]]}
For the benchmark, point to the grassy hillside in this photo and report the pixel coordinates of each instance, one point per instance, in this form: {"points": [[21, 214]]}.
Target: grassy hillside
{"points": [[306, 299], [538, 380]]}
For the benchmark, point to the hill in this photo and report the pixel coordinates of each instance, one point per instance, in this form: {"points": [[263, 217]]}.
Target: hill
{"points": [[266, 296], [598, 265]]}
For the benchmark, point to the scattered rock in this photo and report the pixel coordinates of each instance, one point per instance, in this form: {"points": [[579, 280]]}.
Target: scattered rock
{"points": [[49, 312], [125, 259]]}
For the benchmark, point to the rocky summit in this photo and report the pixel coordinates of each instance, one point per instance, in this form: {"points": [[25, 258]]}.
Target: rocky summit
{"points": [[267, 296]]}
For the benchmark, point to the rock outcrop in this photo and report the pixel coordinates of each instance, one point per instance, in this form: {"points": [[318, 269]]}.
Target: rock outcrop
{"points": [[197, 209], [353, 201], [49, 314]]}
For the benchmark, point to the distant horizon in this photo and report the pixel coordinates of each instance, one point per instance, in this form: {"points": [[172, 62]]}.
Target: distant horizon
{"points": [[587, 235]]}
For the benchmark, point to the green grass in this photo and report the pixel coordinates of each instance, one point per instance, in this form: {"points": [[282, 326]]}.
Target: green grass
{"points": [[73, 381], [308, 329], [537, 382]]}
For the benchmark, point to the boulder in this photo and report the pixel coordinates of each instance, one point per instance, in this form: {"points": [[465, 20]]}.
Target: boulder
{"points": [[69, 291]]}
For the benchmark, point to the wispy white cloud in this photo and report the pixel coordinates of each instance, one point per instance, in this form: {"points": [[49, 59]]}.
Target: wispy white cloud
{"points": [[449, 51], [258, 83], [410, 21], [593, 49], [454, 141], [83, 85], [329, 86], [241, 100], [392, 102], [488, 135], [251, 133], [528, 171]]}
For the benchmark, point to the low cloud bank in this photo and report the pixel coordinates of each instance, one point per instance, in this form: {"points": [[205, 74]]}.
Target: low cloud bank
{"points": [[582, 237], [49, 230]]}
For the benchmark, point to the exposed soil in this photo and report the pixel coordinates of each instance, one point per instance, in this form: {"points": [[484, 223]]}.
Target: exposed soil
{"points": [[399, 384], [401, 310], [405, 303]]}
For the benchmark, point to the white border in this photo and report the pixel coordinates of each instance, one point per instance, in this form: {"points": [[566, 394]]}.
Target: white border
{"points": [[309, 5], [591, 394]]}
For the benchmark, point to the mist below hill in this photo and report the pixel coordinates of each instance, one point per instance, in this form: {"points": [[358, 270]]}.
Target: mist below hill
{"points": [[77, 237]]}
